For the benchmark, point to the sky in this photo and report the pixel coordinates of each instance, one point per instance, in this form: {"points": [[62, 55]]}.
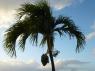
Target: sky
{"points": [[82, 12]]}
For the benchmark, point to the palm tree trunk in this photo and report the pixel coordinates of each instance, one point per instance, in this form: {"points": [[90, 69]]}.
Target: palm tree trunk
{"points": [[50, 54], [52, 60]]}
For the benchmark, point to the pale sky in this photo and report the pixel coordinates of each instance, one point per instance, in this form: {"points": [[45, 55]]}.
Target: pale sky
{"points": [[83, 14]]}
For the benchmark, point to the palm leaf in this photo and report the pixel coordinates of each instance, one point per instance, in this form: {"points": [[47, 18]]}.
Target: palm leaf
{"points": [[70, 28], [22, 40], [10, 38]]}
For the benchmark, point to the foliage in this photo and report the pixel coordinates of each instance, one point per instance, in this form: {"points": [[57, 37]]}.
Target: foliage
{"points": [[35, 19]]}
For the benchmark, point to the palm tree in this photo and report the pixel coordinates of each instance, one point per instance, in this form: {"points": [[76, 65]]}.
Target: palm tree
{"points": [[35, 19]]}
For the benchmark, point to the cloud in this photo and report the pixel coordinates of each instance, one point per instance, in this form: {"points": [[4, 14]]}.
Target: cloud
{"points": [[7, 8], [11, 4], [60, 4], [16, 65], [91, 35], [6, 18]]}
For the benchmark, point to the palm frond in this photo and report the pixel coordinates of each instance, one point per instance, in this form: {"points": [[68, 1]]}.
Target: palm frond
{"points": [[25, 9], [37, 18], [70, 28], [34, 38], [22, 40], [43, 41], [10, 38], [20, 28]]}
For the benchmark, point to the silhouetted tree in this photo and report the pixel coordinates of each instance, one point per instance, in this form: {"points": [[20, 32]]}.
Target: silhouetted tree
{"points": [[35, 19]]}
